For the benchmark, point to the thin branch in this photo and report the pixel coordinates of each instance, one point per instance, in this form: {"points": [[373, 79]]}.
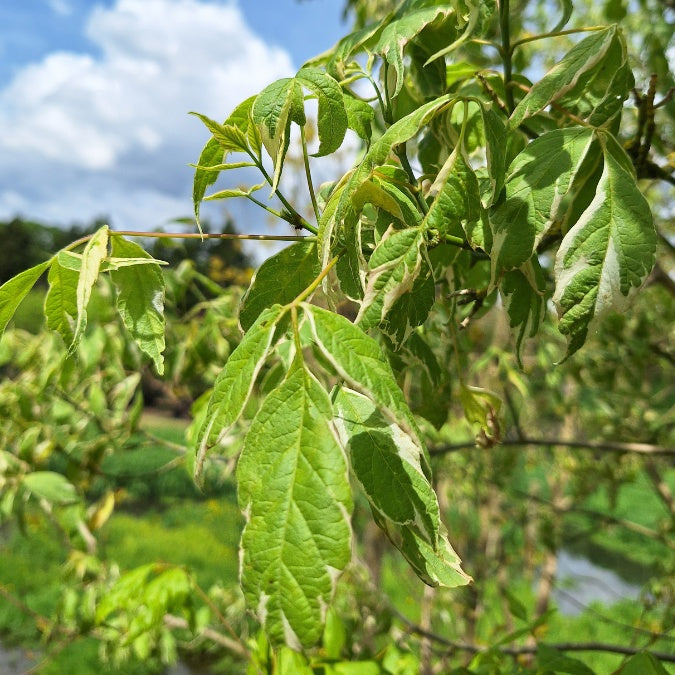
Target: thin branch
{"points": [[213, 235], [531, 649], [605, 446]]}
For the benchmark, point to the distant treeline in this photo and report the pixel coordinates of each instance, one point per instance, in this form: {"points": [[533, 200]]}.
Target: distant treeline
{"points": [[24, 243]]}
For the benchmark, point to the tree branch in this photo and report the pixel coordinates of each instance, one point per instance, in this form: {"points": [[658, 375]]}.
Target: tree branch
{"points": [[605, 446], [531, 649]]}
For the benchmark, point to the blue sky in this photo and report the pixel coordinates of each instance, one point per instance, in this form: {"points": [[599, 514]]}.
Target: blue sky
{"points": [[94, 96]]}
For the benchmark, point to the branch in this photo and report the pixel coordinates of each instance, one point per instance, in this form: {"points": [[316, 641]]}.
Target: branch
{"points": [[531, 649], [171, 621], [606, 446]]}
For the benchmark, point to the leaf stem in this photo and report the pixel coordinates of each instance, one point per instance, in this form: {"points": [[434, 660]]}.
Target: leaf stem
{"points": [[296, 219], [308, 173], [315, 284], [506, 52], [270, 210], [401, 153], [557, 33]]}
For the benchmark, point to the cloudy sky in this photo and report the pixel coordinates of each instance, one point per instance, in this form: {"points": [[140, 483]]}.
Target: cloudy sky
{"points": [[94, 96]]}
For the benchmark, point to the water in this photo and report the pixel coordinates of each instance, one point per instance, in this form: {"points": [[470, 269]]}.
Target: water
{"points": [[579, 582]]}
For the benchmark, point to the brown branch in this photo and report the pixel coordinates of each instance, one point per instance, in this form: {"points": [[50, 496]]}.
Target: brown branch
{"points": [[605, 446]]}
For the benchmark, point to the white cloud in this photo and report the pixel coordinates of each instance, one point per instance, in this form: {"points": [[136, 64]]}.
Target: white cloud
{"points": [[60, 7], [85, 135]]}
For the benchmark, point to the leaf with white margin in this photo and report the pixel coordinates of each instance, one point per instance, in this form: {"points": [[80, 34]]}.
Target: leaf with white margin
{"points": [[608, 253], [93, 255], [359, 360], [538, 181], [234, 386], [387, 463], [140, 299], [393, 268], [399, 32], [583, 58], [435, 566], [294, 491]]}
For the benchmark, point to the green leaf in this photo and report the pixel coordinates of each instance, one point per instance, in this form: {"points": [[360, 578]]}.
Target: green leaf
{"points": [[573, 68], [399, 32], [392, 270], [537, 185], [12, 292], [234, 385], [360, 116], [229, 136], [93, 255], [411, 309], [233, 192], [436, 566], [523, 292], [387, 462], [61, 300], [211, 155], [607, 255], [399, 132], [359, 360], [238, 132], [332, 118], [643, 663], [456, 196], [481, 407], [599, 95], [280, 279], [294, 490], [51, 486], [277, 105], [553, 660], [494, 132], [140, 300]]}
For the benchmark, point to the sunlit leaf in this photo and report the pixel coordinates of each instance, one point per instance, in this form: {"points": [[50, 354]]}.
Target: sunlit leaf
{"points": [[234, 385], [294, 490], [280, 279], [537, 184], [140, 300], [93, 255], [61, 300], [12, 292], [606, 256], [332, 118]]}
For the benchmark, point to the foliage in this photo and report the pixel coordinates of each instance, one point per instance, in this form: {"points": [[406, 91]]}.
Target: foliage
{"points": [[475, 190]]}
